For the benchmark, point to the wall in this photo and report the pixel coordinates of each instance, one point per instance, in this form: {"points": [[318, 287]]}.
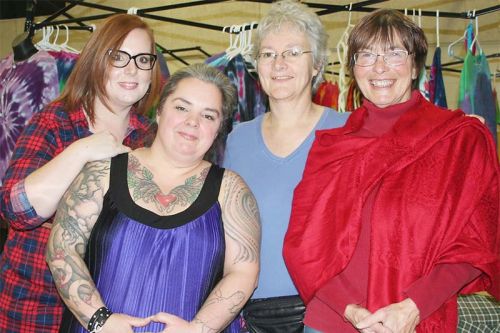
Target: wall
{"points": [[176, 36]]}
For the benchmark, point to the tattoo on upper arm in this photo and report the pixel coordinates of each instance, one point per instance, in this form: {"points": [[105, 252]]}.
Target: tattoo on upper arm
{"points": [[76, 215], [241, 218]]}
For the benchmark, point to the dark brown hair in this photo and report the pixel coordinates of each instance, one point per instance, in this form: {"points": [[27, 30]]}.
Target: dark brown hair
{"points": [[383, 27], [89, 76]]}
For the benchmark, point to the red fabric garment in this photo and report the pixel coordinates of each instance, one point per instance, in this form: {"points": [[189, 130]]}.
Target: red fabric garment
{"points": [[327, 95], [438, 203], [320, 93]]}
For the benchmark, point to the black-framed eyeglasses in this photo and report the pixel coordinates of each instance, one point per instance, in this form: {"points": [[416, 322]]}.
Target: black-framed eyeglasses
{"points": [[288, 55], [143, 61], [391, 58]]}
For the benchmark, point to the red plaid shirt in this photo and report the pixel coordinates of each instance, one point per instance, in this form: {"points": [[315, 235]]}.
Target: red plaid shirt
{"points": [[29, 302]]}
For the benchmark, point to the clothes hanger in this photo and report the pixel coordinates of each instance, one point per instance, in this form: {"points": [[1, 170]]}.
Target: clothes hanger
{"points": [[451, 51], [437, 28], [247, 50], [243, 39], [43, 43], [64, 46], [234, 41], [342, 54], [248, 38], [475, 41], [53, 45]]}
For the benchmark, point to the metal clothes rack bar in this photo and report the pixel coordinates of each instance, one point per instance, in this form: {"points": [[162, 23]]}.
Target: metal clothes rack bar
{"points": [[30, 16], [173, 52], [324, 9], [453, 63]]}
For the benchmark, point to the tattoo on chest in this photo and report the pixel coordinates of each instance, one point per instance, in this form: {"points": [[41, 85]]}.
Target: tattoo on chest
{"points": [[143, 187]]}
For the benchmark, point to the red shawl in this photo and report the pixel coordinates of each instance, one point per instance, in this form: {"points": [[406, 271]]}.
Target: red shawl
{"points": [[438, 202]]}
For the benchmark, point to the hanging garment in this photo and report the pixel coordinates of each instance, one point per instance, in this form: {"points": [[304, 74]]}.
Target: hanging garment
{"points": [[252, 100], [476, 93], [65, 62], [218, 61], [165, 72], [495, 97], [423, 84], [327, 95], [466, 84], [251, 97], [484, 102], [437, 94], [354, 97], [25, 88], [467, 75]]}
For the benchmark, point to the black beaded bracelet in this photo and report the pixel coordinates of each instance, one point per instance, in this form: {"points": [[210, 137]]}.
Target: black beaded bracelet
{"points": [[98, 319]]}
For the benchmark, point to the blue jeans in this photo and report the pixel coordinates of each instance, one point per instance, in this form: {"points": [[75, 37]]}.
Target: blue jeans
{"points": [[308, 329]]}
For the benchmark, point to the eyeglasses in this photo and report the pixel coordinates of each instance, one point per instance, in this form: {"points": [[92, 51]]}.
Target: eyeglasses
{"points": [[288, 56], [392, 58], [120, 59]]}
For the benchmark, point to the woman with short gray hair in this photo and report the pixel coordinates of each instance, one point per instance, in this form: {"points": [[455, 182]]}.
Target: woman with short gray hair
{"points": [[270, 151]]}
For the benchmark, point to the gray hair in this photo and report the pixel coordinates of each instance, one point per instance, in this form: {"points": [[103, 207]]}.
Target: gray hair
{"points": [[206, 74], [302, 17]]}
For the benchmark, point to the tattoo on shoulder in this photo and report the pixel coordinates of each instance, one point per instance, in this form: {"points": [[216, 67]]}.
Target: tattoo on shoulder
{"points": [[241, 218], [141, 182]]}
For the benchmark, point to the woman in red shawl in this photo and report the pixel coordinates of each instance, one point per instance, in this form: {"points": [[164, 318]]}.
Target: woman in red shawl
{"points": [[397, 211]]}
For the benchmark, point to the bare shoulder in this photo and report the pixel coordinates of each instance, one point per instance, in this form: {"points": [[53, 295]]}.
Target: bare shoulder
{"points": [[234, 190], [232, 179]]}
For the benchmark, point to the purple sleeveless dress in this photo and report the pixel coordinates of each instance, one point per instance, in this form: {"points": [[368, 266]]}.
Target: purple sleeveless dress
{"points": [[143, 263]]}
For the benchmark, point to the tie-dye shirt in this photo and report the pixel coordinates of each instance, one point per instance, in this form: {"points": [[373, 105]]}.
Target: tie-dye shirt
{"points": [[25, 88]]}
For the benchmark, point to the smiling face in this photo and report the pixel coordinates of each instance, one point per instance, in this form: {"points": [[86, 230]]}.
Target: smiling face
{"points": [[125, 86], [384, 84], [189, 120], [286, 79]]}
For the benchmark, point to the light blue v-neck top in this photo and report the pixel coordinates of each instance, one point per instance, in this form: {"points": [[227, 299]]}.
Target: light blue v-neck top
{"points": [[272, 180]]}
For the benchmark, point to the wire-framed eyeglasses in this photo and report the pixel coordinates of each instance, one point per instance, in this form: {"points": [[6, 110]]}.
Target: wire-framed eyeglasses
{"points": [[391, 58], [290, 55], [143, 61]]}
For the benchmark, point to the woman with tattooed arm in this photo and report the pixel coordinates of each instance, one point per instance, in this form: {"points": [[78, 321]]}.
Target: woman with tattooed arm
{"points": [[159, 239], [99, 114]]}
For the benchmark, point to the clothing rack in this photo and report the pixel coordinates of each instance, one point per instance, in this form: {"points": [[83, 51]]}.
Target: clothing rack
{"points": [[323, 9]]}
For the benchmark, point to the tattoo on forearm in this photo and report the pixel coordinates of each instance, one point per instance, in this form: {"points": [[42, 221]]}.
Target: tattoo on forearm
{"points": [[143, 187], [242, 216], [233, 303], [204, 327], [75, 218]]}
